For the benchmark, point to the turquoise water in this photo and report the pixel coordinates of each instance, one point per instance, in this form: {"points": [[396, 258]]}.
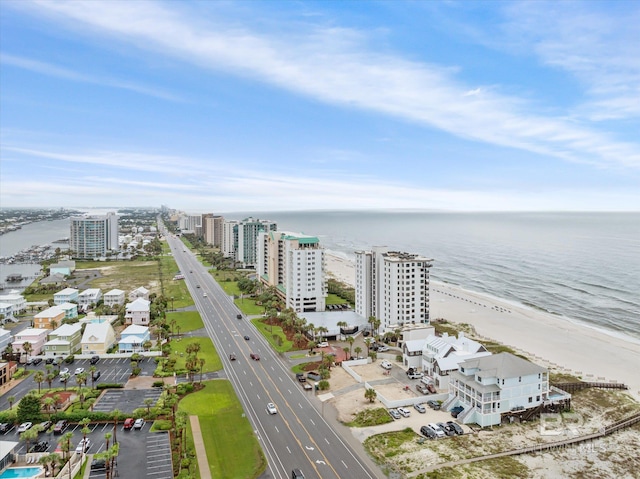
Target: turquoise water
{"points": [[21, 472]]}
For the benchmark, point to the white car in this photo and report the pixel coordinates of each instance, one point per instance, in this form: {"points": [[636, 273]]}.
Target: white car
{"points": [[420, 408], [204, 295], [139, 423], [271, 408], [385, 365], [83, 445], [404, 411], [25, 426], [78, 371], [323, 344], [437, 429], [382, 349]]}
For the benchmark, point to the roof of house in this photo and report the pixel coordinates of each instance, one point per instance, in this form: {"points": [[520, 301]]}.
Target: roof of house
{"points": [[97, 332], [58, 342], [414, 345], [67, 306], [139, 304], [504, 365], [67, 329], [114, 292], [135, 329], [49, 312], [90, 292], [54, 278], [32, 332], [451, 361], [66, 291], [131, 339], [141, 289]]}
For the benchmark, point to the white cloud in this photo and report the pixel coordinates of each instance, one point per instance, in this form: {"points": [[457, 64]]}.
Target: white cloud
{"points": [[333, 65]]}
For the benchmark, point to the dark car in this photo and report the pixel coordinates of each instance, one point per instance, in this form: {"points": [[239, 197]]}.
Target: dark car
{"points": [[40, 446], [60, 426], [36, 361], [49, 360], [246, 338], [428, 432], [94, 359], [129, 422], [297, 474], [4, 427], [448, 430], [98, 464], [456, 411], [255, 357], [238, 316], [232, 357], [433, 404], [96, 375], [300, 377], [456, 428]]}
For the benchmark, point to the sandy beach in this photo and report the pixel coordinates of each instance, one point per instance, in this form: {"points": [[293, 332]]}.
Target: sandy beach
{"points": [[547, 339]]}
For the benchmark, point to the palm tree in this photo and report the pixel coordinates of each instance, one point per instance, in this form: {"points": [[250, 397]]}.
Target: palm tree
{"points": [[342, 324], [201, 362], [370, 394], [148, 402], [85, 430], [116, 415], [346, 352], [81, 379], [38, 377], [93, 370], [29, 435], [65, 444], [27, 348], [11, 400], [367, 343], [48, 403], [350, 340], [358, 350]]}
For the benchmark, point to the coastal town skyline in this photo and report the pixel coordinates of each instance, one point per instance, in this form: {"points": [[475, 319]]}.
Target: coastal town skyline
{"points": [[279, 106]]}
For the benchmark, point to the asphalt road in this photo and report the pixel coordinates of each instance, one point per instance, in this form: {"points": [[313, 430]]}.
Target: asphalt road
{"points": [[297, 436]]}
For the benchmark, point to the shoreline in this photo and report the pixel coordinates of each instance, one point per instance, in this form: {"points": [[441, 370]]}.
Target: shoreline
{"points": [[551, 340]]}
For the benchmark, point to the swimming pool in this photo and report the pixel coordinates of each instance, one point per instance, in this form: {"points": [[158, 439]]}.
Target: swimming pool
{"points": [[22, 472]]}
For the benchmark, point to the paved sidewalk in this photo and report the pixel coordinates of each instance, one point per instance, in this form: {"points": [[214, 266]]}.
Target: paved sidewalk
{"points": [[201, 453]]}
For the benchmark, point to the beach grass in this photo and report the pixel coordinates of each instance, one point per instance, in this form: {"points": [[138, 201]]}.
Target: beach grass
{"points": [[232, 448], [375, 417]]}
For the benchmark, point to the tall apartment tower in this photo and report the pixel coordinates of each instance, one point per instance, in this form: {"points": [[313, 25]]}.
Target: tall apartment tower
{"points": [[245, 241], [228, 249], [392, 286], [294, 264], [92, 236], [212, 229]]}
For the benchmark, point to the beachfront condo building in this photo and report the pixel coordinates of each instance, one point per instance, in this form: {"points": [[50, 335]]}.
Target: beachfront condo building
{"points": [[228, 248], [93, 236], [294, 264], [245, 239], [212, 229], [392, 286], [190, 224]]}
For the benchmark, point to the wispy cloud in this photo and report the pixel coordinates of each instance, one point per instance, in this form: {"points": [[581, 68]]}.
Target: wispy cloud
{"points": [[49, 69], [336, 66]]}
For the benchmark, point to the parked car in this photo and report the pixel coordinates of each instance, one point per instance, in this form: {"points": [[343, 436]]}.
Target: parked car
{"points": [[64, 377], [394, 413], [271, 408], [4, 427], [60, 426], [83, 445], [404, 411], [323, 344], [415, 375], [456, 428], [64, 371], [96, 375], [439, 432], [98, 464], [300, 377], [433, 404], [45, 426], [94, 359], [385, 365], [36, 361], [447, 430], [138, 424], [49, 360], [422, 389], [40, 446], [383, 348], [57, 361], [255, 356], [428, 432], [455, 412], [420, 408], [25, 426], [78, 371], [128, 423]]}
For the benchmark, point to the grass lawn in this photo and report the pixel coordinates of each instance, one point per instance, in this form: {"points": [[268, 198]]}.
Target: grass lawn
{"points": [[335, 299], [274, 335], [187, 320], [207, 352], [249, 306], [233, 450]]}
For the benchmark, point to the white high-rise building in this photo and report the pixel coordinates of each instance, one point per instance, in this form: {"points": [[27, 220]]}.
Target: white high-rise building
{"points": [[228, 250], [294, 264], [392, 287], [93, 236]]}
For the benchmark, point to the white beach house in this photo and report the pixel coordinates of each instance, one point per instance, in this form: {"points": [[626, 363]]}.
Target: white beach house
{"points": [[138, 312], [140, 292], [16, 300], [114, 297], [89, 297], [67, 295]]}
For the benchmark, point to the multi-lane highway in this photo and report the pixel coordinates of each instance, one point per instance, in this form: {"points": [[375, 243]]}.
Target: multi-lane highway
{"points": [[297, 436]]}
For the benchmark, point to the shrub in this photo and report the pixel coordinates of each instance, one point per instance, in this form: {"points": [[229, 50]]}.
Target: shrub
{"points": [[101, 386], [158, 384], [323, 385], [69, 359]]}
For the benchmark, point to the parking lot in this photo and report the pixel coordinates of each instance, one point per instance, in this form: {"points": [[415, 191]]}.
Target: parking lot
{"points": [[142, 454], [126, 399]]}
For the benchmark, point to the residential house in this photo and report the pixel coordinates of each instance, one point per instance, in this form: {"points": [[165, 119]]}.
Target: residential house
{"points": [[132, 339], [5, 372], [64, 341], [34, 336], [138, 312], [67, 295], [6, 312], [16, 300], [442, 354], [55, 278], [140, 292], [65, 267], [490, 386], [89, 297], [412, 353], [5, 339], [50, 318], [98, 338], [114, 297], [70, 310]]}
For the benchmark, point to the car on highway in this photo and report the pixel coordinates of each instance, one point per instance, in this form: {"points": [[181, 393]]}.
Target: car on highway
{"points": [[232, 357], [197, 285], [128, 423], [420, 408], [60, 426], [456, 428], [25, 426], [246, 338], [138, 424], [385, 365], [404, 412], [78, 371], [428, 432], [40, 446], [254, 356], [238, 316], [297, 474], [204, 295], [94, 359], [271, 408], [394, 414], [83, 445]]}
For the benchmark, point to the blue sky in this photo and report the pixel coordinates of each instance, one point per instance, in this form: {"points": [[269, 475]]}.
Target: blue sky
{"points": [[263, 106]]}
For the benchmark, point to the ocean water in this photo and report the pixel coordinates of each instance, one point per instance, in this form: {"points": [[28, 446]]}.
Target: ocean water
{"points": [[583, 267]]}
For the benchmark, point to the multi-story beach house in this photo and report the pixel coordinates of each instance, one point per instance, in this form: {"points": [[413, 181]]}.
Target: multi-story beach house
{"points": [[5, 375], [392, 287], [441, 355], [64, 340], [492, 385], [138, 312], [5, 338], [98, 338], [93, 236], [294, 264], [115, 297], [70, 310], [89, 297], [35, 337], [6, 312], [67, 295], [140, 292], [16, 300], [50, 318], [133, 338]]}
